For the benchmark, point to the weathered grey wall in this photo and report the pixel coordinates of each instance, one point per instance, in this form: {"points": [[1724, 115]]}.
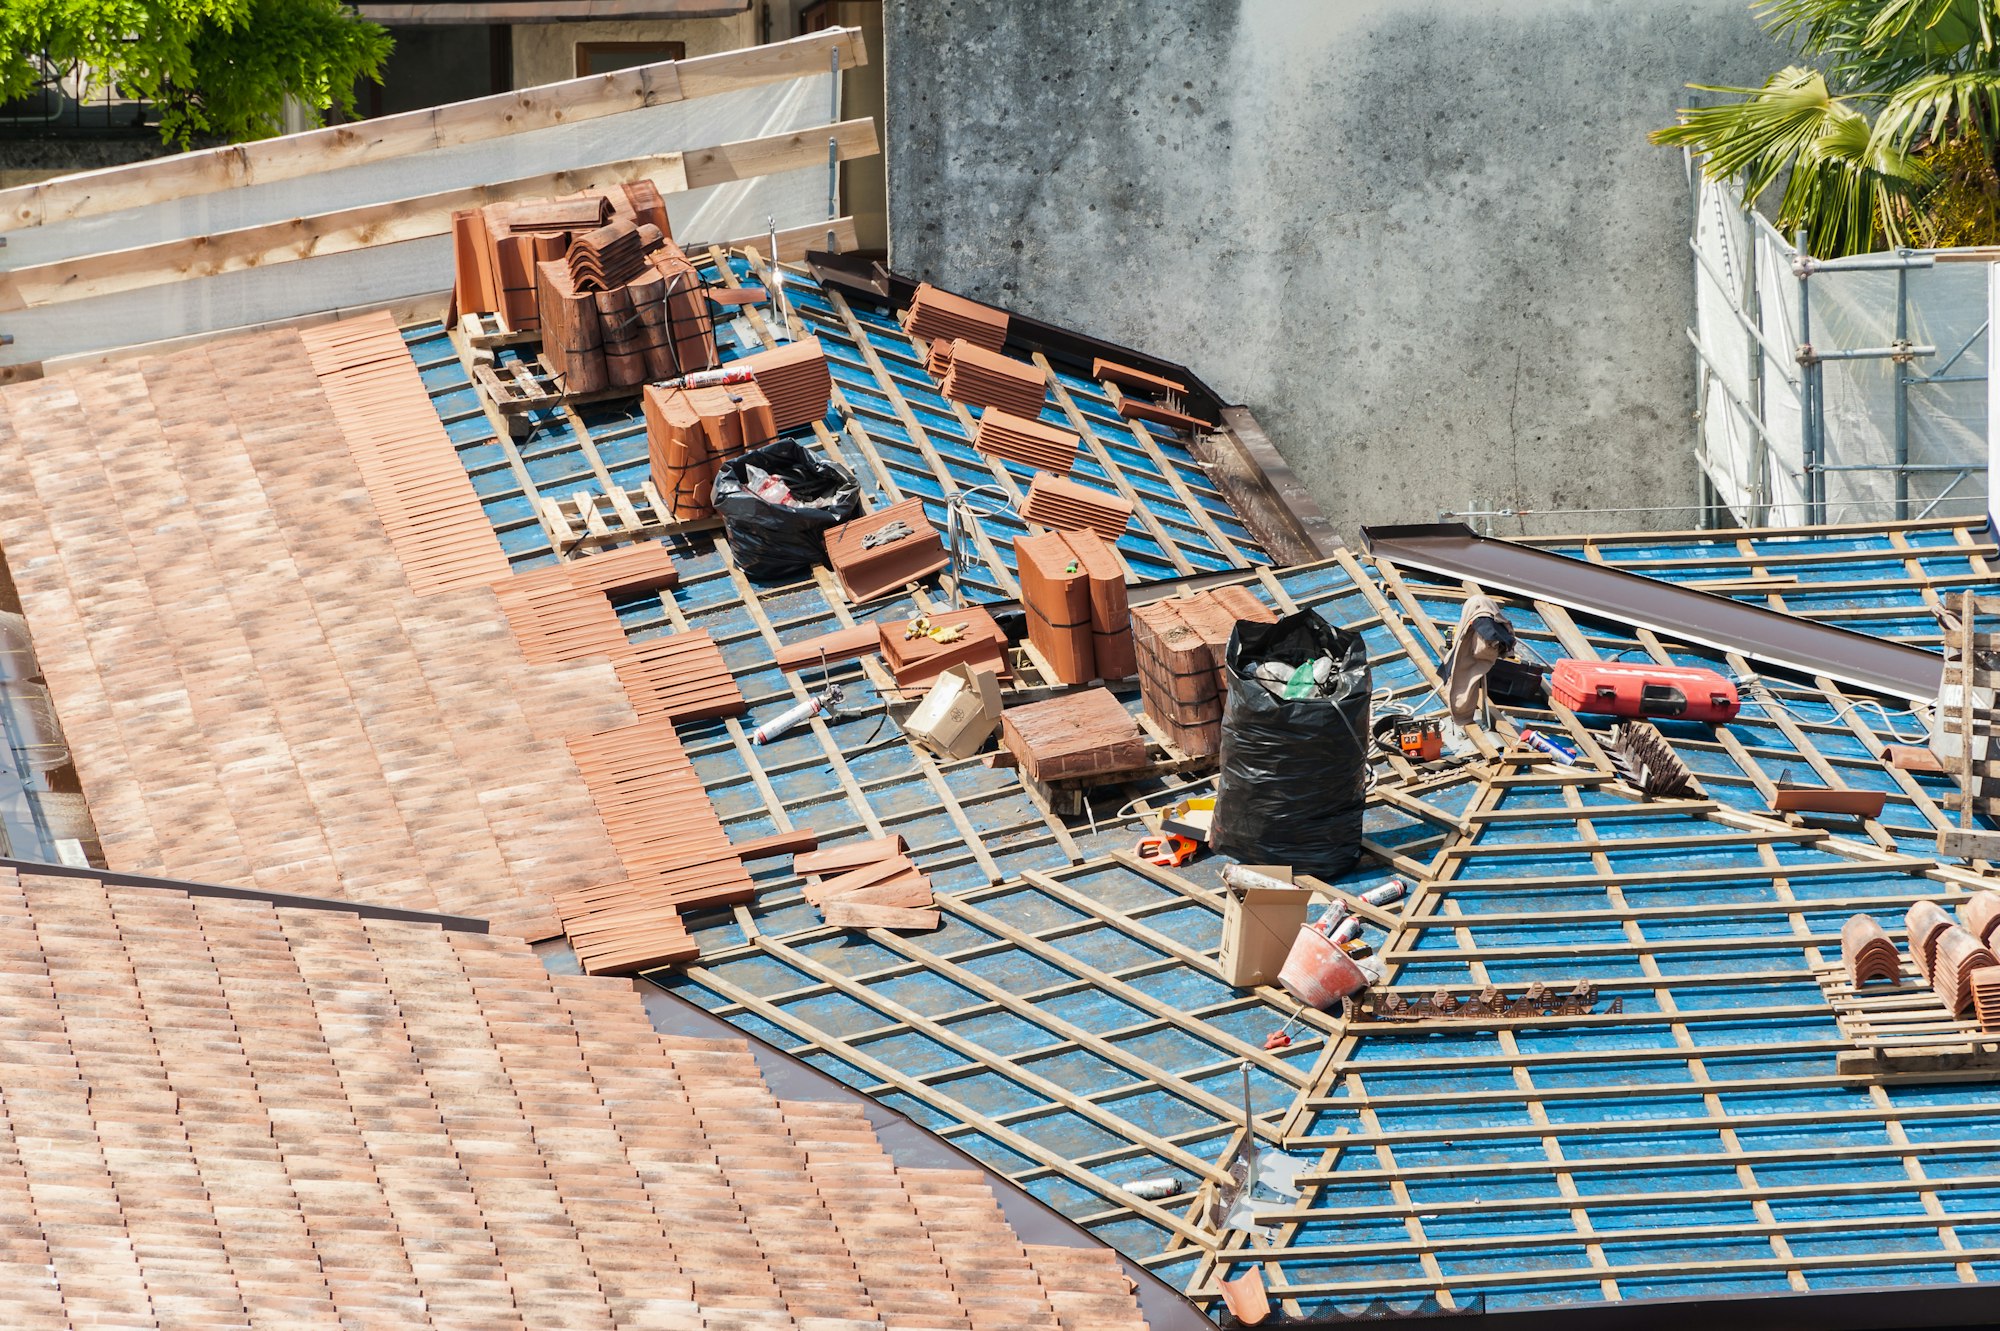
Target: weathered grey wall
{"points": [[1425, 240]]}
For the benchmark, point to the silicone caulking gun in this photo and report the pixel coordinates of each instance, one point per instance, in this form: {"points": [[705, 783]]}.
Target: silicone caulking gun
{"points": [[817, 704]]}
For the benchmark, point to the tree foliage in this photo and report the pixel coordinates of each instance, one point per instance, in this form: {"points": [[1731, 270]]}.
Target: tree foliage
{"points": [[1887, 138], [215, 68]]}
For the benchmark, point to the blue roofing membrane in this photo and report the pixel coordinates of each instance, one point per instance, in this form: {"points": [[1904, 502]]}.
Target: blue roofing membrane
{"points": [[1066, 1023]]}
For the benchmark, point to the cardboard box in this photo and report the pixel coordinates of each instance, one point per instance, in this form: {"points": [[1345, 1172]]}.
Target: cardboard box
{"points": [[958, 714], [1259, 926]]}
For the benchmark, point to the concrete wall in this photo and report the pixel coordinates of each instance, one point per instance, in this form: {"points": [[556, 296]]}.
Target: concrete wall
{"points": [[1425, 240]]}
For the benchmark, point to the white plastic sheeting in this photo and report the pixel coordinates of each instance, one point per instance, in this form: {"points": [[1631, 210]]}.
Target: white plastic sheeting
{"points": [[410, 268], [1753, 443]]}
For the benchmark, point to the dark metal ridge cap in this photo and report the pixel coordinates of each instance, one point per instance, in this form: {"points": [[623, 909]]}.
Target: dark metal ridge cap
{"points": [[458, 924], [1882, 1308], [909, 1144], [1455, 550]]}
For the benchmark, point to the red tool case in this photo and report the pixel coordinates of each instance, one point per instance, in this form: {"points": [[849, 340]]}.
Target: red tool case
{"points": [[1639, 688]]}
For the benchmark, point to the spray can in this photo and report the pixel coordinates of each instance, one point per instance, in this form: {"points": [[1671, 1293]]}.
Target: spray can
{"points": [[1330, 918], [1154, 1189], [1556, 749], [1346, 930], [1383, 893], [797, 715], [711, 378]]}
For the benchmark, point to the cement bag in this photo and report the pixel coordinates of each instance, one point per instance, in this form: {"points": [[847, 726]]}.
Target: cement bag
{"points": [[1294, 775], [777, 542]]}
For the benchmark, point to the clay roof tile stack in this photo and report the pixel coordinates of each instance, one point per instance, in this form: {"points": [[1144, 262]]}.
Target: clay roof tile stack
{"points": [[1959, 955], [1068, 506], [1180, 644], [983, 378], [1985, 983], [868, 885], [1018, 439], [1980, 913], [920, 660], [796, 380], [495, 249], [1073, 735], [691, 432], [939, 316], [607, 256], [1868, 952], [1926, 922], [1073, 590], [868, 570]]}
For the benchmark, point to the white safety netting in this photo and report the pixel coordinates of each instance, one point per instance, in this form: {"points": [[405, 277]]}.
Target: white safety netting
{"points": [[1754, 446]]}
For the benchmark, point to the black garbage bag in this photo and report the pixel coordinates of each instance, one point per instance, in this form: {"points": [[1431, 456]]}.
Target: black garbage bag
{"points": [[1294, 778], [780, 542]]}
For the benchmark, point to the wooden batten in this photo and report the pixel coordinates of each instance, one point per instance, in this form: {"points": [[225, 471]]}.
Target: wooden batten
{"points": [[292, 156]]}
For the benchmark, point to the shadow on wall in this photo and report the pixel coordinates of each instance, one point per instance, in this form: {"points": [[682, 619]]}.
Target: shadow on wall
{"points": [[1425, 240]]}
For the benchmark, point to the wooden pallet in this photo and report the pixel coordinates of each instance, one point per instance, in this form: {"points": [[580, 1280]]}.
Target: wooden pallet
{"points": [[588, 518], [489, 332], [1903, 1030], [522, 386]]}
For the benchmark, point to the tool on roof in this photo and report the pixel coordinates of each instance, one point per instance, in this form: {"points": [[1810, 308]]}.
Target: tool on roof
{"points": [[1418, 739], [1641, 688], [1168, 850], [922, 627], [817, 704], [729, 374]]}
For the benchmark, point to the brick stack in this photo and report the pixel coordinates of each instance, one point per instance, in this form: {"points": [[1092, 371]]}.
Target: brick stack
{"points": [[1063, 504], [919, 661], [1868, 952], [938, 316], [1001, 434], [868, 885], [1073, 736], [1110, 612], [983, 378], [1925, 923], [1055, 593], [691, 432], [795, 378], [867, 571], [1180, 645]]}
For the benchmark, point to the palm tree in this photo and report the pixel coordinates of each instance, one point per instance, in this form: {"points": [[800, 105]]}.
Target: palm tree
{"points": [[1890, 140]]}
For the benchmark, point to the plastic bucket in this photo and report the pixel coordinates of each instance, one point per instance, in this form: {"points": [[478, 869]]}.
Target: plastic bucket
{"points": [[1317, 972]]}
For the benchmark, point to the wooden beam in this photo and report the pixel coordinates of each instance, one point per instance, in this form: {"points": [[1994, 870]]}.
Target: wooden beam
{"points": [[308, 237], [294, 155], [779, 152]]}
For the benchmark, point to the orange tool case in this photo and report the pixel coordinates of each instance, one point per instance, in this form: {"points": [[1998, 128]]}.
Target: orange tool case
{"points": [[1638, 688]]}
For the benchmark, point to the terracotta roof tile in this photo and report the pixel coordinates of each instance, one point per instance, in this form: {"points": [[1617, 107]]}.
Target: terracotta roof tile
{"points": [[1029, 442], [1068, 506]]}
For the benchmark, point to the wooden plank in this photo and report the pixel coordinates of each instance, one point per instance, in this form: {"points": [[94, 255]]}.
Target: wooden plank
{"points": [[779, 152], [795, 242], [294, 155], [310, 237]]}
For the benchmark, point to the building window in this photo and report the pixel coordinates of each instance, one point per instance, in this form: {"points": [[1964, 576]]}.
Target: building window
{"points": [[603, 57]]}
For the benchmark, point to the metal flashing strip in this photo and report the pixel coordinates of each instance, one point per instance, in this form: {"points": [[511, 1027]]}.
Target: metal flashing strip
{"points": [[457, 924], [1455, 550]]}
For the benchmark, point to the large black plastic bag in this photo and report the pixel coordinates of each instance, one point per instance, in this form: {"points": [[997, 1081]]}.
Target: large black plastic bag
{"points": [[1294, 776], [775, 542]]}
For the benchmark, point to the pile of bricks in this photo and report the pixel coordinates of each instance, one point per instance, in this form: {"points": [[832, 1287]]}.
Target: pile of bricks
{"points": [[872, 559], [795, 379], [691, 432], [1031, 443], [1073, 736], [983, 378], [868, 885], [940, 317], [1073, 590], [1068, 506], [1181, 644]]}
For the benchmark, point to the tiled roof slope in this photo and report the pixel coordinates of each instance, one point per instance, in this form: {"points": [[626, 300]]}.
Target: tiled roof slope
{"points": [[223, 1113], [251, 689]]}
